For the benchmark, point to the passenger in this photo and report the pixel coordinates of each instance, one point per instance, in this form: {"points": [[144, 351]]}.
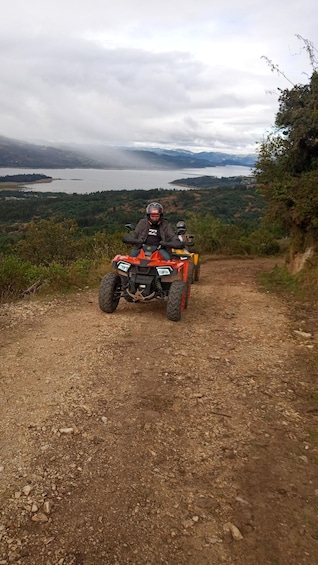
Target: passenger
{"points": [[153, 230]]}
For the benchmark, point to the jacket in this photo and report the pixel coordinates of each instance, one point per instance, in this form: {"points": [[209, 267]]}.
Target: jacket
{"points": [[140, 234]]}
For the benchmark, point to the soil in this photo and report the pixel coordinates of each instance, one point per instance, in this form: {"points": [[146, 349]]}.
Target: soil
{"points": [[130, 439]]}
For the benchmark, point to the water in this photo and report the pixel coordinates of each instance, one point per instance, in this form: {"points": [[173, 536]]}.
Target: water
{"points": [[84, 181]]}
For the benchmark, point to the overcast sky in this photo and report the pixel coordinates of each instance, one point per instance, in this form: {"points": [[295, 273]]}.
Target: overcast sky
{"points": [[172, 73]]}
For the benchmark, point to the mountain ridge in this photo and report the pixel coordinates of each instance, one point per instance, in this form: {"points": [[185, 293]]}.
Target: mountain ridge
{"points": [[21, 154]]}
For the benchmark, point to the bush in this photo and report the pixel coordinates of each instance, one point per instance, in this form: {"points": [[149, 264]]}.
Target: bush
{"points": [[260, 242], [206, 230], [103, 245], [63, 278], [16, 276], [45, 242], [213, 236]]}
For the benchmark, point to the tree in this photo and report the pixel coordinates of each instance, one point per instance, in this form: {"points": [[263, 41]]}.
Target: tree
{"points": [[287, 166]]}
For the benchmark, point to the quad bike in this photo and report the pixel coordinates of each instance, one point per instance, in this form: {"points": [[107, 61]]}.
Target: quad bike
{"points": [[147, 277], [194, 258]]}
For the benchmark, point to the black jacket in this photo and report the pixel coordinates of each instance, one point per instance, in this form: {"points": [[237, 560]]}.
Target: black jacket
{"points": [[140, 233]]}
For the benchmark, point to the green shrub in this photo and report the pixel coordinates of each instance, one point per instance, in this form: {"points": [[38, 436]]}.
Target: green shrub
{"points": [[206, 230], [260, 242], [16, 276], [79, 272], [63, 278], [104, 245], [46, 241], [230, 240]]}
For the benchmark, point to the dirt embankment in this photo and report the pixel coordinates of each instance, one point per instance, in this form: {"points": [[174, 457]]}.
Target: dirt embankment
{"points": [[129, 439]]}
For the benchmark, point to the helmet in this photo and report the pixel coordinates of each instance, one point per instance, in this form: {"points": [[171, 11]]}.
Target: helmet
{"points": [[181, 228], [154, 208]]}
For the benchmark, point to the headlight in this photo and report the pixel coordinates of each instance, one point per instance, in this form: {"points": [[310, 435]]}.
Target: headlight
{"points": [[122, 266], [164, 271]]}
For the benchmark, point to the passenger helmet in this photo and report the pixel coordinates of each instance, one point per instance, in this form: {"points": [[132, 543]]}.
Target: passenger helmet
{"points": [[181, 228], [154, 213]]}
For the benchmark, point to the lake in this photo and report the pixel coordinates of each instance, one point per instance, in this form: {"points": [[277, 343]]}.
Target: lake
{"points": [[83, 181]]}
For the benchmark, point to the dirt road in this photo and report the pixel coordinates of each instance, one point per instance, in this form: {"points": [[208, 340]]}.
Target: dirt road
{"points": [[129, 439]]}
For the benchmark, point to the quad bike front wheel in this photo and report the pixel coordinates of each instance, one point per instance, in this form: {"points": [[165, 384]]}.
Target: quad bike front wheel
{"points": [[176, 300], [109, 292]]}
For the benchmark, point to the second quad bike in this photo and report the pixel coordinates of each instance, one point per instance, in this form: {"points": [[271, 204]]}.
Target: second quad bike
{"points": [[194, 258], [147, 277]]}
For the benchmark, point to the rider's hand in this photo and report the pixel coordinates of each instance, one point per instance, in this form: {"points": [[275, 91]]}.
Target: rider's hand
{"points": [[132, 240]]}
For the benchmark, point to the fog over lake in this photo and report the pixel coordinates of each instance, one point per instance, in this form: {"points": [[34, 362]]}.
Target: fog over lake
{"points": [[83, 181]]}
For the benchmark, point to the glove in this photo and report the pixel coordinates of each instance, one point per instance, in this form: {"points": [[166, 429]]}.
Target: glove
{"points": [[177, 244], [131, 240], [135, 241]]}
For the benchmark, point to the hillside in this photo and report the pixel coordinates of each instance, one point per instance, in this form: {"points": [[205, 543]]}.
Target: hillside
{"points": [[230, 201], [128, 439], [15, 153]]}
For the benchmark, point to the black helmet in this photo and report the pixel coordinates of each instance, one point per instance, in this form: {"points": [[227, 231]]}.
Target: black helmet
{"points": [[154, 209], [181, 227]]}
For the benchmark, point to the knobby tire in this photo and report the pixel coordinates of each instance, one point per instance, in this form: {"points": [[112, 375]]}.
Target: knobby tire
{"points": [[176, 300], [109, 292]]}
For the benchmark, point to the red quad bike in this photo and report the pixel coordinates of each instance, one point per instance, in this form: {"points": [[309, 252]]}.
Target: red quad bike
{"points": [[147, 277]]}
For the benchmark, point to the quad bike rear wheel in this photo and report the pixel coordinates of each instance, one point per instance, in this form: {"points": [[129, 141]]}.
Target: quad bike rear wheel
{"points": [[177, 298], [191, 275], [189, 283], [197, 271], [109, 292]]}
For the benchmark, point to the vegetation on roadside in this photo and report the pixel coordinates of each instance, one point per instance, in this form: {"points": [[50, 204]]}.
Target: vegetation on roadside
{"points": [[287, 167], [302, 285], [286, 173], [280, 281], [55, 257]]}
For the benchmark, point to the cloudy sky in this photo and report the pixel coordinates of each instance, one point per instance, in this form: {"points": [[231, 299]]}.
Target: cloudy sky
{"points": [[171, 73]]}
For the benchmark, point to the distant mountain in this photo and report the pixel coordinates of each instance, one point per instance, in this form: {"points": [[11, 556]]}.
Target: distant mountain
{"points": [[20, 154], [202, 159]]}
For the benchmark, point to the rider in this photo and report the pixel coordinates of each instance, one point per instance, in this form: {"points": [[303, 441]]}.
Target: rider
{"points": [[182, 234], [153, 230], [181, 231]]}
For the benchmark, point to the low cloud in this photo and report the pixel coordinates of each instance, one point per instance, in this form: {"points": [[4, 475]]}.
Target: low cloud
{"points": [[183, 75]]}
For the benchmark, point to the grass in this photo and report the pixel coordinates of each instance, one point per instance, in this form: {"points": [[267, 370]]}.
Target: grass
{"points": [[280, 281], [303, 284], [313, 435]]}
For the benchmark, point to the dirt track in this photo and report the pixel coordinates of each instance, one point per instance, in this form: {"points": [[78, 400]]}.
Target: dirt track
{"points": [[129, 439]]}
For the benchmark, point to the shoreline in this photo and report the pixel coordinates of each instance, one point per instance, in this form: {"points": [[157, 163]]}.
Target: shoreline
{"points": [[20, 185]]}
